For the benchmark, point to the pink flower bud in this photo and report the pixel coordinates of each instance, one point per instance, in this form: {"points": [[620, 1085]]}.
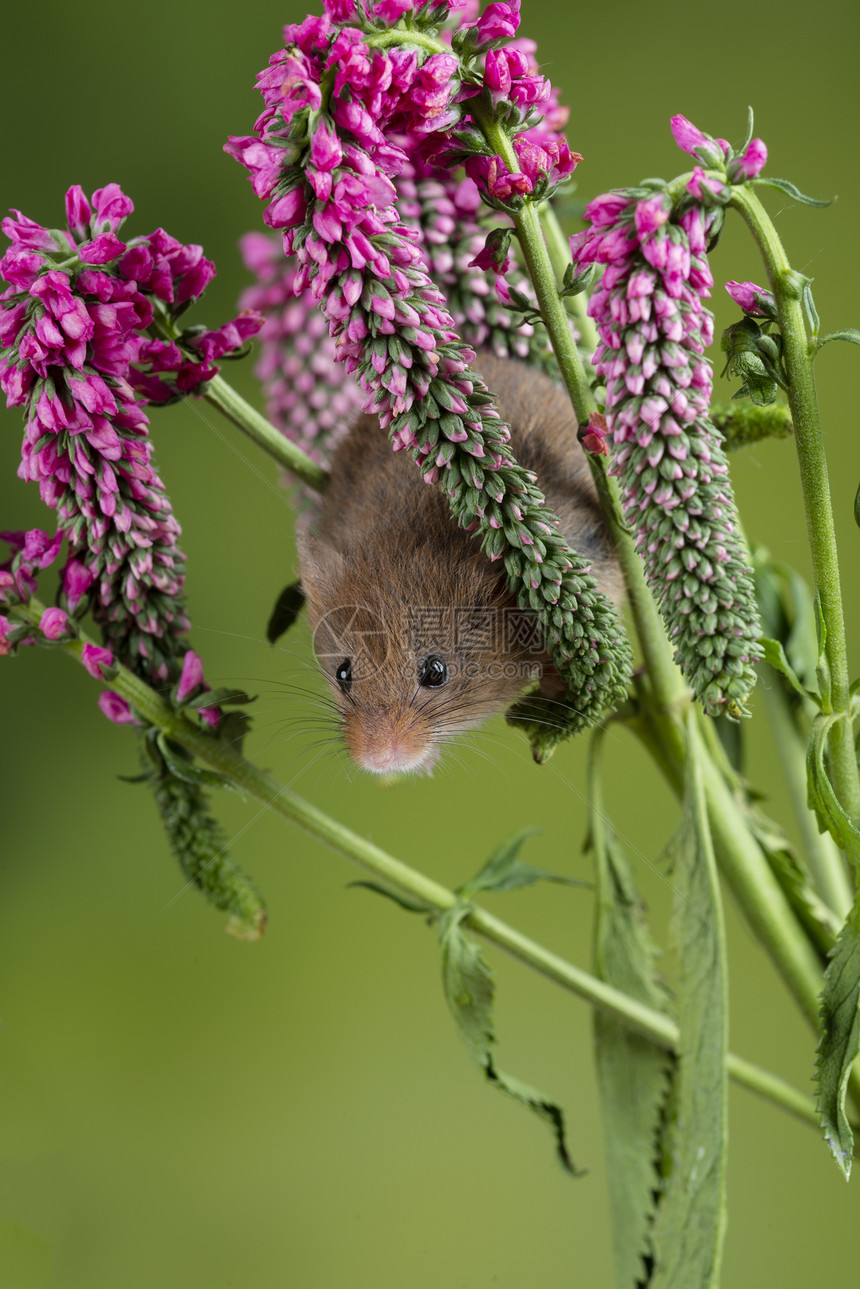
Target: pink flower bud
{"points": [[752, 299], [95, 658], [688, 136], [751, 163], [54, 623], [191, 678], [78, 212], [116, 709]]}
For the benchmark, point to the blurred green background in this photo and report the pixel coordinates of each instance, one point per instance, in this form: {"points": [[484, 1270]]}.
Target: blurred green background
{"points": [[183, 1110]]}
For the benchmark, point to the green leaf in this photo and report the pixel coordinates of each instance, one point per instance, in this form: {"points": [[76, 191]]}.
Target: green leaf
{"points": [[741, 149], [788, 614], [822, 666], [503, 871], [181, 767], [790, 190], [220, 698], [411, 906], [287, 608], [840, 1039], [633, 1074], [690, 1222], [775, 655], [469, 991], [812, 319], [851, 334], [822, 797]]}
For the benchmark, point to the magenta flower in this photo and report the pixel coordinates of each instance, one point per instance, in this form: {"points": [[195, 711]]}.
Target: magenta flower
{"points": [[97, 660], [191, 677], [54, 623], [755, 300], [750, 164], [75, 353], [676, 494], [690, 138], [116, 709]]}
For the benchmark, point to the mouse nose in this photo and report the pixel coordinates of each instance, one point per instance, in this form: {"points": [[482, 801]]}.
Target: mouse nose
{"points": [[394, 759], [387, 747]]}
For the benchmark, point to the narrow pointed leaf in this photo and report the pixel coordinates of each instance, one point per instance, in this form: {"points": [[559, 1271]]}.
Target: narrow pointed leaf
{"points": [[774, 653], [469, 992], [633, 1074], [790, 190], [851, 334], [690, 1224]]}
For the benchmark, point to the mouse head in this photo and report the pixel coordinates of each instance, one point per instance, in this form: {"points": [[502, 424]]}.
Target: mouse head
{"points": [[413, 653]]}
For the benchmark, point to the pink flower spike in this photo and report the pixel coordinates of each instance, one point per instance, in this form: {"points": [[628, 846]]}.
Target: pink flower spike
{"points": [[192, 676], [116, 709], [95, 658], [54, 623]]}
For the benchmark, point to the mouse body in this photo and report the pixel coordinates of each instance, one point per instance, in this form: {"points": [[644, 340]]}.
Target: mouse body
{"points": [[414, 627]]}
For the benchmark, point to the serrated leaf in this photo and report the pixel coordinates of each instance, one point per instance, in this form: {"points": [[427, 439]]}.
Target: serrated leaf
{"points": [[774, 654], [469, 991], [411, 906], [851, 334], [840, 1039], [633, 1073], [690, 1223], [791, 190], [287, 608], [504, 871]]}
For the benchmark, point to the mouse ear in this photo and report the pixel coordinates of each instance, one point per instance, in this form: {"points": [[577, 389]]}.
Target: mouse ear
{"points": [[320, 564]]}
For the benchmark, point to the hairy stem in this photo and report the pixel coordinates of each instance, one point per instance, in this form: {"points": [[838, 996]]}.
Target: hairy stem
{"points": [[559, 254], [218, 393], [223, 757], [798, 353]]}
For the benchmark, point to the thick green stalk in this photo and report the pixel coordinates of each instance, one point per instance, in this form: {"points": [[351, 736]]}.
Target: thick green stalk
{"points": [[240, 413], [559, 253], [798, 352], [223, 757]]}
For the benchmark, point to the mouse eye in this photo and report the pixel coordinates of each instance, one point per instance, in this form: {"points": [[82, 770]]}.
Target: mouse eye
{"points": [[433, 672], [343, 675]]}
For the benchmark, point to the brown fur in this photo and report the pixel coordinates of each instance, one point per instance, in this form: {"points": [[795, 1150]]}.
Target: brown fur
{"points": [[391, 578]]}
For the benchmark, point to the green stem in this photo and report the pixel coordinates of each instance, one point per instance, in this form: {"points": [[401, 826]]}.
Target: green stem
{"points": [[238, 412], [798, 354], [559, 254], [222, 756], [669, 689]]}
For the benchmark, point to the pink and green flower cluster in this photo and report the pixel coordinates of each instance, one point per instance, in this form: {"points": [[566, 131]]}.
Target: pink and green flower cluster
{"points": [[87, 337], [654, 329], [346, 110]]}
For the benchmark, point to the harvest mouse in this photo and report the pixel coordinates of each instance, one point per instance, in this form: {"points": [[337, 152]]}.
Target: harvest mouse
{"points": [[415, 629]]}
